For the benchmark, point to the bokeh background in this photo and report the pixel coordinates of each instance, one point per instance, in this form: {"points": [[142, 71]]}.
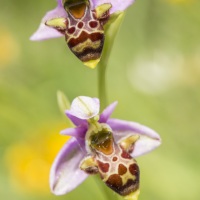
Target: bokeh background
{"points": [[154, 73]]}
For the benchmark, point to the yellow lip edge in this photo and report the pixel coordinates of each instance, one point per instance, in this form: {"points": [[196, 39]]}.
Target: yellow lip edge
{"points": [[133, 195], [92, 63]]}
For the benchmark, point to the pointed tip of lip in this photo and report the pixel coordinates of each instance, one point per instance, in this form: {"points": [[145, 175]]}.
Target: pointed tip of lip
{"points": [[92, 63], [133, 196]]}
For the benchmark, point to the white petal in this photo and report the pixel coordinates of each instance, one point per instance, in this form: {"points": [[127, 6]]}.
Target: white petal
{"points": [[84, 107]]}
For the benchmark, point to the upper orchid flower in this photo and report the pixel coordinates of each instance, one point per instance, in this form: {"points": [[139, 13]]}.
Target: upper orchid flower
{"points": [[82, 22], [101, 145]]}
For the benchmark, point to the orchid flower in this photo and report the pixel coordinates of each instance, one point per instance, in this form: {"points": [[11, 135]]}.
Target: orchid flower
{"points": [[101, 145], [82, 23]]}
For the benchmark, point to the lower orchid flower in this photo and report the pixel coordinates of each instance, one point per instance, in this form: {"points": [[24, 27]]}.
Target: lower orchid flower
{"points": [[82, 23], [101, 145]]}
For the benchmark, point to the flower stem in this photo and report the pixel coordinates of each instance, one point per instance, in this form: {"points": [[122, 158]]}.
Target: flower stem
{"points": [[102, 83], [111, 29]]}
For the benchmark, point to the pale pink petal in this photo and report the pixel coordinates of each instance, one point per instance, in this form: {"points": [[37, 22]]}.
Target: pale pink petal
{"points": [[59, 2], [148, 140], [76, 121], [75, 132], [105, 115], [65, 174], [117, 5], [44, 32]]}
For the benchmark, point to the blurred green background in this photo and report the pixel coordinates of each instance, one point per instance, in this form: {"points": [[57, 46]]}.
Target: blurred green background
{"points": [[154, 73]]}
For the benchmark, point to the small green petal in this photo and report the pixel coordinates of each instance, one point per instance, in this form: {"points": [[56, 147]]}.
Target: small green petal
{"points": [[63, 101], [64, 104], [111, 29]]}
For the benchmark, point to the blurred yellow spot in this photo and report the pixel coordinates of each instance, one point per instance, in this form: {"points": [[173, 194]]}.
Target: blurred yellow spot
{"points": [[189, 72], [9, 48], [29, 162]]}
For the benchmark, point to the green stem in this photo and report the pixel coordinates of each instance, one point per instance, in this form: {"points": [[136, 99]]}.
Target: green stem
{"points": [[111, 29], [102, 83]]}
